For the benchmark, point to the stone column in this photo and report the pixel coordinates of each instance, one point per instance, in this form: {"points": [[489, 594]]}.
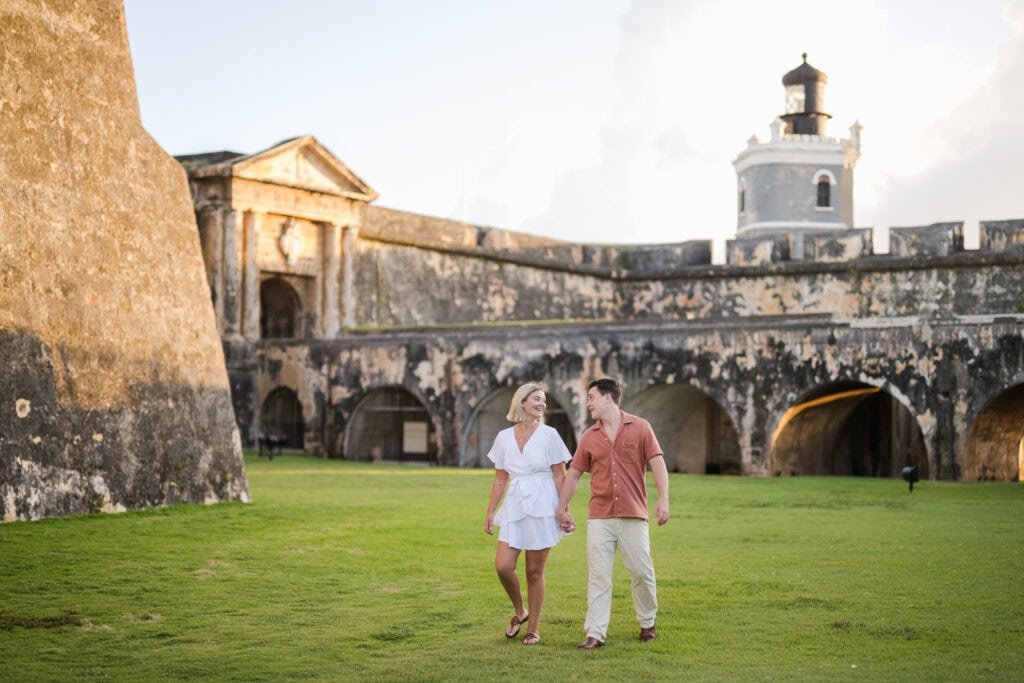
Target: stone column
{"points": [[232, 275], [211, 234], [251, 281], [331, 269], [348, 273]]}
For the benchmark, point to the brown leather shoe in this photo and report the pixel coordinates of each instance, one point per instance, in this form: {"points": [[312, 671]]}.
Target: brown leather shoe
{"points": [[647, 634], [590, 644]]}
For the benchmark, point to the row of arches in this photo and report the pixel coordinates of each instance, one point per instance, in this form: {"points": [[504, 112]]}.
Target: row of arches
{"points": [[843, 428]]}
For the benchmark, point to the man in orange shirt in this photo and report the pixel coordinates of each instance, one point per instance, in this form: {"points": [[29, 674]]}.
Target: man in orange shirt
{"points": [[616, 451]]}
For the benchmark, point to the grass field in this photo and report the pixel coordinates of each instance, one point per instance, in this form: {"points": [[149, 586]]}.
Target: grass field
{"points": [[341, 571]]}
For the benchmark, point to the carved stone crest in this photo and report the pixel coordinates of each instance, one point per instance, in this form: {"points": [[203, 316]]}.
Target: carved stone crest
{"points": [[290, 242]]}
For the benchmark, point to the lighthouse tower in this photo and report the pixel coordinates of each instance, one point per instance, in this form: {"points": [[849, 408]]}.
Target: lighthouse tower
{"points": [[800, 180]]}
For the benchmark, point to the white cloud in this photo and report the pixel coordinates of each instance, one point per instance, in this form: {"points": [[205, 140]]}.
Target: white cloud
{"points": [[694, 79], [597, 120], [973, 172]]}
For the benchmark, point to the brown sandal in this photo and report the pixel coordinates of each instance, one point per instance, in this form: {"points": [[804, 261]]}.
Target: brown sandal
{"points": [[515, 625], [531, 638]]}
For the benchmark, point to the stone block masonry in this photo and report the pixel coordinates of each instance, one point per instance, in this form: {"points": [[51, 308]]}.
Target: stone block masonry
{"points": [[113, 388]]}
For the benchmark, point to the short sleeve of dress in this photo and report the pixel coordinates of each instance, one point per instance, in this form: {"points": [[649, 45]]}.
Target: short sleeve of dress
{"points": [[497, 452], [557, 452]]}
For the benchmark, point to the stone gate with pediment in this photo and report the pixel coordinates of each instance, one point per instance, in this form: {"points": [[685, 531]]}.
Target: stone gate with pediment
{"points": [[368, 333]]}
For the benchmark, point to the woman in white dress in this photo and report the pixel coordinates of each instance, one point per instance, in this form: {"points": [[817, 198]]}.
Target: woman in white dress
{"points": [[529, 465]]}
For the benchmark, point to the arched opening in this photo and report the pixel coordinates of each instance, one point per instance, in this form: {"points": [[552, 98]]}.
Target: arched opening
{"points": [[848, 429], [489, 419], [281, 416], [696, 435], [280, 309], [390, 424], [824, 192], [995, 442]]}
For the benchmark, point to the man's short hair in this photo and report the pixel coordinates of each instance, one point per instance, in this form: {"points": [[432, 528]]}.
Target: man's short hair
{"points": [[608, 387]]}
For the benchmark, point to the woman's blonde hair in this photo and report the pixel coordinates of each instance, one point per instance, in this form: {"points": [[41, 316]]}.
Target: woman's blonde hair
{"points": [[515, 410]]}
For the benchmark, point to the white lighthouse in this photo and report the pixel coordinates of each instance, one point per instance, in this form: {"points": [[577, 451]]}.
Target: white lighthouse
{"points": [[799, 180]]}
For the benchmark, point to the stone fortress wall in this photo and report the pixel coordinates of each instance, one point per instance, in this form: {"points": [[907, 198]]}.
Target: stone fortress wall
{"points": [[114, 394], [839, 361]]}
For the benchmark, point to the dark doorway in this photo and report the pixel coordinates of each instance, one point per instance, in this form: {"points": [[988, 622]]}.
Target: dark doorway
{"points": [[995, 448], [696, 435], [282, 416], [848, 429], [279, 310], [390, 424]]}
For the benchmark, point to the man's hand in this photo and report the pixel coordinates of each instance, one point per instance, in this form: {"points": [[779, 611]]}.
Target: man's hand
{"points": [[565, 522], [661, 480], [661, 510]]}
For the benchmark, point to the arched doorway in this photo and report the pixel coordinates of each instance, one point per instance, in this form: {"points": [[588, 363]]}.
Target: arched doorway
{"points": [[489, 419], [280, 310], [281, 416], [848, 429], [995, 442], [696, 434], [390, 424]]}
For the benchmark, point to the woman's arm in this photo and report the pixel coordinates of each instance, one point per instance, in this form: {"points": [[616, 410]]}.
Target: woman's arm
{"points": [[565, 493], [497, 491], [558, 473]]}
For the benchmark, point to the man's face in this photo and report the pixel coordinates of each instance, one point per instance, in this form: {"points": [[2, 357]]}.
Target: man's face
{"points": [[597, 403]]}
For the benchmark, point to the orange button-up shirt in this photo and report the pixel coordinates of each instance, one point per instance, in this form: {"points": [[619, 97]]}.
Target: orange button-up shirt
{"points": [[618, 486]]}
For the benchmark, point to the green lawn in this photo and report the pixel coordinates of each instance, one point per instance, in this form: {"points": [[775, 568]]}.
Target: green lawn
{"points": [[341, 571]]}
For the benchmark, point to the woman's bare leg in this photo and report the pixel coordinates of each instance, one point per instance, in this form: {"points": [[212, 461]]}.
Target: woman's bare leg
{"points": [[505, 563], [535, 561]]}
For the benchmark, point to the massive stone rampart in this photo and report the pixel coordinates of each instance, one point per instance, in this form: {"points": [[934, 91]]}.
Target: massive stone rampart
{"points": [[412, 272], [113, 388]]}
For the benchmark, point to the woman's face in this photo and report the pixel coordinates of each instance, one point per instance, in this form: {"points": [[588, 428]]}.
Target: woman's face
{"points": [[535, 405]]}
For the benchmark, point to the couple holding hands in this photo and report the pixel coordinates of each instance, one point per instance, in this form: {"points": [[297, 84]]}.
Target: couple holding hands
{"points": [[530, 474]]}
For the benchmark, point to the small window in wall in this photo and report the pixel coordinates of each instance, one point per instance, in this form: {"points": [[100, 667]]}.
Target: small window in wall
{"points": [[743, 200], [823, 182], [279, 310], [824, 192]]}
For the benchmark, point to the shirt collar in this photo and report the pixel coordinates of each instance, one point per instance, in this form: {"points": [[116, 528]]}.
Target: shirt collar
{"points": [[626, 419]]}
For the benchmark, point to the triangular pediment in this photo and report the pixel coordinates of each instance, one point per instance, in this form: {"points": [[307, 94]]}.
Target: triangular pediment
{"points": [[306, 164]]}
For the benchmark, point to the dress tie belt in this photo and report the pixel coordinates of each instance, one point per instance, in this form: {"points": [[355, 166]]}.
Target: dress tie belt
{"points": [[526, 495]]}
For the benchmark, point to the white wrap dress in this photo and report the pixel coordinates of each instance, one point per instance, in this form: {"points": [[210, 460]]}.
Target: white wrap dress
{"points": [[527, 517]]}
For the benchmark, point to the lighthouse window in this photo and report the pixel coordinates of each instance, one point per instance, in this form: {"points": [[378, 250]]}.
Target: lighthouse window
{"points": [[824, 192], [743, 200]]}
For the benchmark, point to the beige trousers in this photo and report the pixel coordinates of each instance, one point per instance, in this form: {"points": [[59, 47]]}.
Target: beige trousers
{"points": [[631, 537]]}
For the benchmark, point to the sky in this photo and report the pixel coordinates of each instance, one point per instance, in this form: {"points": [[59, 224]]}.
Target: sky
{"points": [[599, 121]]}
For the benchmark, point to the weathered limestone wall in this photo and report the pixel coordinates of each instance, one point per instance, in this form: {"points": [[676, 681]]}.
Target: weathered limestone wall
{"points": [[412, 270], [945, 373], [401, 285], [113, 389], [708, 352]]}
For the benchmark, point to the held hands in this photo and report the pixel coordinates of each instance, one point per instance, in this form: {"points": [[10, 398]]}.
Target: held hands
{"points": [[565, 521]]}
